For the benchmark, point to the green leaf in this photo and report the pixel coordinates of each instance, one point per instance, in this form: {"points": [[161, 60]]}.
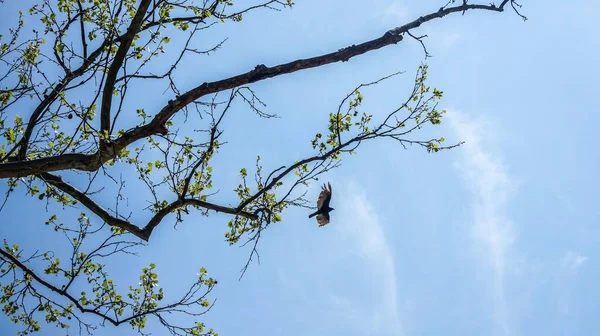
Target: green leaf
{"points": [[11, 135]]}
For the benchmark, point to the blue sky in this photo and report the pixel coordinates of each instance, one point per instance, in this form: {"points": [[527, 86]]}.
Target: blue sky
{"points": [[497, 237]]}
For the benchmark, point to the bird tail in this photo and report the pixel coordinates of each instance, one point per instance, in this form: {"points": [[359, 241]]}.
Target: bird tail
{"points": [[313, 214]]}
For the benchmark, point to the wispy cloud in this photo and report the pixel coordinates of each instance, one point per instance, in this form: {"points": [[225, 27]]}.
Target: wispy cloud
{"points": [[491, 188], [573, 261], [353, 285], [363, 231], [570, 265]]}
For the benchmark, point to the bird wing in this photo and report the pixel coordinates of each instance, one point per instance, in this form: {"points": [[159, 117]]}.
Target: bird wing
{"points": [[324, 197], [328, 199], [323, 219]]}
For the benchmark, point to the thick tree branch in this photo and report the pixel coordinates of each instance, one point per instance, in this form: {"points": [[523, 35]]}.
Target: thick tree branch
{"points": [[116, 64], [153, 223], [84, 45]]}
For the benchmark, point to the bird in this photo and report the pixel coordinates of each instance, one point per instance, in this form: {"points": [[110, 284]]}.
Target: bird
{"points": [[323, 208]]}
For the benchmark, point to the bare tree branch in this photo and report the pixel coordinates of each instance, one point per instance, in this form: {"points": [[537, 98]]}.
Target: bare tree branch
{"points": [[116, 64]]}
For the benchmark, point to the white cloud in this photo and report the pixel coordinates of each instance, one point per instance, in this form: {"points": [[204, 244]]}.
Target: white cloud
{"points": [[352, 283], [570, 265], [573, 261], [491, 188], [363, 230]]}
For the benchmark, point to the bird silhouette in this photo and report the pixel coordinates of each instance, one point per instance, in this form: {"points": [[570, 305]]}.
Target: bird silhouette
{"points": [[323, 208]]}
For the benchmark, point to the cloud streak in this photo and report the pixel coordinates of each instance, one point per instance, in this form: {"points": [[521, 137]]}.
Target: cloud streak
{"points": [[573, 261], [491, 187], [363, 229], [570, 266]]}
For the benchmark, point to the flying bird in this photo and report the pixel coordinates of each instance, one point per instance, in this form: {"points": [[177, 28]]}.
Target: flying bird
{"points": [[323, 208]]}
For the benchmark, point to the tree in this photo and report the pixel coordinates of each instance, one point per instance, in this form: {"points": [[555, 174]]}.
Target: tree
{"points": [[72, 75]]}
